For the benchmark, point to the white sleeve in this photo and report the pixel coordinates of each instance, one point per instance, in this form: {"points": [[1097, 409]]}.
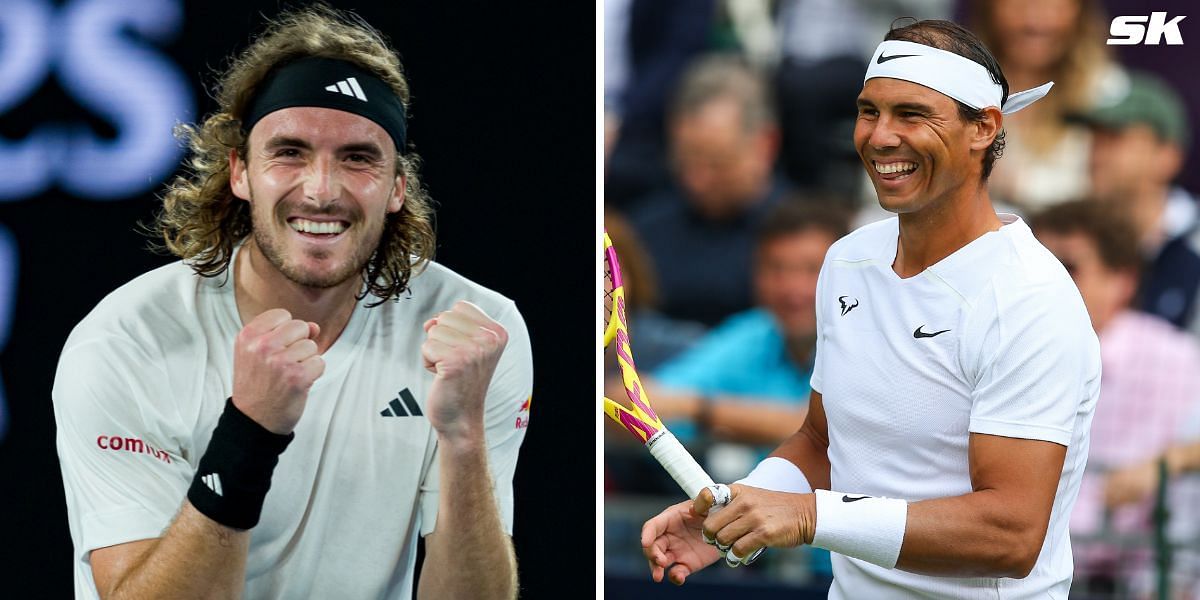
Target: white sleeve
{"points": [[506, 417], [1037, 364], [124, 474]]}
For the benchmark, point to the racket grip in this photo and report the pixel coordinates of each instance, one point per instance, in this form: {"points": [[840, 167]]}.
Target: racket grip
{"points": [[679, 463]]}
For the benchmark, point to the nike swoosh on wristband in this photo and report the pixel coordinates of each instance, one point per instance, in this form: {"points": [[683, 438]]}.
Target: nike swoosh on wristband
{"points": [[921, 334], [849, 499], [882, 59]]}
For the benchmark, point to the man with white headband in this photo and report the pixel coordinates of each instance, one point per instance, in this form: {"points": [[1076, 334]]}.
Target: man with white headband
{"points": [[956, 370]]}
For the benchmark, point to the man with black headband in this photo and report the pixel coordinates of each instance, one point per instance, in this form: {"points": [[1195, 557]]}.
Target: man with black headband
{"points": [[956, 370], [282, 412]]}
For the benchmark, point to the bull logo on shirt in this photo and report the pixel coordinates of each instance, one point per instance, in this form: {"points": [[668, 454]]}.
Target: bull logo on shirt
{"points": [[848, 304]]}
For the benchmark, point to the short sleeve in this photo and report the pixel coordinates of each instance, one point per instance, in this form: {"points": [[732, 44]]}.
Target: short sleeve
{"points": [[1036, 363], [124, 475], [506, 418]]}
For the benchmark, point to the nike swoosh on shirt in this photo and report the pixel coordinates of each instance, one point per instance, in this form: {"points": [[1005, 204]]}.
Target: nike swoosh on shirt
{"points": [[882, 59], [922, 334]]}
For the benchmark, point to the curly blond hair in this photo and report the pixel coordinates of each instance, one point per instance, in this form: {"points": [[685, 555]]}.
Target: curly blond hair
{"points": [[201, 221]]}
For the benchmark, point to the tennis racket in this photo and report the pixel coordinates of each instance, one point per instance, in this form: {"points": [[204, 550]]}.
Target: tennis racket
{"points": [[639, 417]]}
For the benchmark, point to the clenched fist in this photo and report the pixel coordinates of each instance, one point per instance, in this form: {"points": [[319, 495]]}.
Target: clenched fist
{"points": [[275, 362], [462, 346]]}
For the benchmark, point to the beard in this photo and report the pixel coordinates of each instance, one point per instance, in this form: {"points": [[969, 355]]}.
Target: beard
{"points": [[270, 233]]}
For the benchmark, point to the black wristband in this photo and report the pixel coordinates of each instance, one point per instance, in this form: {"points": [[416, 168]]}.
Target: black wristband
{"points": [[234, 474]]}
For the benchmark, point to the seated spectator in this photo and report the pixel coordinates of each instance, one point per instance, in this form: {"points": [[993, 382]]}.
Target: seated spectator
{"points": [[723, 139], [654, 336], [1139, 145], [1035, 41], [748, 379], [647, 46], [1151, 377]]}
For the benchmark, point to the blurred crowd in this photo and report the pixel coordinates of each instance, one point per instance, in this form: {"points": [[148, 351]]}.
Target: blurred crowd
{"points": [[729, 171]]}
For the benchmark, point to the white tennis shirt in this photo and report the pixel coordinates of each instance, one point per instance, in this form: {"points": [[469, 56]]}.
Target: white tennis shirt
{"points": [[993, 339], [145, 375]]}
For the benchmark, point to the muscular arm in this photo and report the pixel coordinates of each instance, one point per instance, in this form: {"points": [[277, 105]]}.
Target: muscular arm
{"points": [[997, 530], [467, 555], [196, 558], [275, 363]]}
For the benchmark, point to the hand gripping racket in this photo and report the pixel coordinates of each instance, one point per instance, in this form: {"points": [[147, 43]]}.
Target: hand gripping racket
{"points": [[639, 418]]}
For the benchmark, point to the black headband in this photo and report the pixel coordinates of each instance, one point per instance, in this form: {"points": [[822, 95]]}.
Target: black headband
{"points": [[329, 83]]}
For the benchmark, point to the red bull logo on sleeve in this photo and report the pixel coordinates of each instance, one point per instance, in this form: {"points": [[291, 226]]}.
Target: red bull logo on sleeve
{"points": [[523, 414]]}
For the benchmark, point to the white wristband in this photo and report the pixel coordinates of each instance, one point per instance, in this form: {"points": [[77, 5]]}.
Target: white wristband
{"points": [[862, 527], [778, 475]]}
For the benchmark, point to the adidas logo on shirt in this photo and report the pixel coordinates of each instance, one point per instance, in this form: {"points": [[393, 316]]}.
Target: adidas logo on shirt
{"points": [[213, 481], [397, 408], [348, 87]]}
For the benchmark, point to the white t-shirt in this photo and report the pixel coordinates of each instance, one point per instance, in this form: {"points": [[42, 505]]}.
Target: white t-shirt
{"points": [[993, 339], [143, 378]]}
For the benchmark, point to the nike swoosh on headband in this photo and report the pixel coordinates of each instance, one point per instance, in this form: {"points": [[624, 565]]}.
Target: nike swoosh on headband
{"points": [[882, 59], [951, 74]]}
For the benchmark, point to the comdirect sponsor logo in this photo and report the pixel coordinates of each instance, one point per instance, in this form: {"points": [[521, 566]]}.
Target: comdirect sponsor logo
{"points": [[134, 445], [1129, 31], [523, 422]]}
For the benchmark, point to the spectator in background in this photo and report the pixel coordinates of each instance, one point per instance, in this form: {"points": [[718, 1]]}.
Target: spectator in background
{"points": [[1037, 41], [723, 142], [1139, 143], [1151, 380], [647, 46], [747, 380], [655, 336]]}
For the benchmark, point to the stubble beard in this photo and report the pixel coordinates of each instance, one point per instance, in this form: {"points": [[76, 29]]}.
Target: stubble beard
{"points": [[267, 236]]}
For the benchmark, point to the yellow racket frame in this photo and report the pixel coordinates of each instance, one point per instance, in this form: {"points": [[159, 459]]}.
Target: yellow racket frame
{"points": [[638, 417]]}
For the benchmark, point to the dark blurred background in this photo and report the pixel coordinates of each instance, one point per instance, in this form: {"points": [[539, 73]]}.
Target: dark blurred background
{"points": [[503, 114]]}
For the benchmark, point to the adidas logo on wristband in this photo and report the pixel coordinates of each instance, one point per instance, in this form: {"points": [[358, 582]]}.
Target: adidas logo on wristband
{"points": [[213, 481]]}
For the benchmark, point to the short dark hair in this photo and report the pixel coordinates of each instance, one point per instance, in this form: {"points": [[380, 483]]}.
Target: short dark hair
{"points": [[1115, 237], [796, 215], [952, 37]]}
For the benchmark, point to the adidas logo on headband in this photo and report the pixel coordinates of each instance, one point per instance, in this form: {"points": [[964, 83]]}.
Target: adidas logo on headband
{"points": [[348, 87], [313, 81]]}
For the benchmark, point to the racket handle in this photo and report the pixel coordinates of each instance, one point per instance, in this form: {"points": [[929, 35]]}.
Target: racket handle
{"points": [[679, 463], [689, 475]]}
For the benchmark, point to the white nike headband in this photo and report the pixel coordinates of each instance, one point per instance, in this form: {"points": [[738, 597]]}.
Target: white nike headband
{"points": [[955, 76]]}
